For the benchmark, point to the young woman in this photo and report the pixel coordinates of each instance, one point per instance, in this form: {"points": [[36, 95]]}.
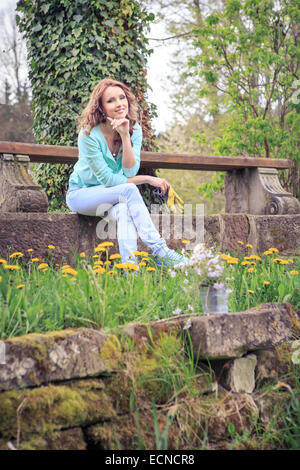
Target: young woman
{"points": [[105, 175]]}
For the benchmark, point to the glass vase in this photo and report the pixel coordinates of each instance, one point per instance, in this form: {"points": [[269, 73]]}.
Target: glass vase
{"points": [[214, 300]]}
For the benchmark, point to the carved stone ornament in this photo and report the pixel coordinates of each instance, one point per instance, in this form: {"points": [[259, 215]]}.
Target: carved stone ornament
{"points": [[258, 191], [18, 190]]}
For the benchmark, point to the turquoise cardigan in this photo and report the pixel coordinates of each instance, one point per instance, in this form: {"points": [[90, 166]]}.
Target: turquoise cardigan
{"points": [[97, 166]]}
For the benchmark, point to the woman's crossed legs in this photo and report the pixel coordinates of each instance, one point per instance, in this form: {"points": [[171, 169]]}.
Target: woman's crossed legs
{"points": [[126, 206]]}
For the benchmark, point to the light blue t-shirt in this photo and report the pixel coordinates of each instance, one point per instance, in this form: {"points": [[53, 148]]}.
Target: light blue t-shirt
{"points": [[97, 166]]}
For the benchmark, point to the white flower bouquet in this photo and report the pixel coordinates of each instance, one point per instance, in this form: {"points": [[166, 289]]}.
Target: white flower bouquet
{"points": [[206, 266]]}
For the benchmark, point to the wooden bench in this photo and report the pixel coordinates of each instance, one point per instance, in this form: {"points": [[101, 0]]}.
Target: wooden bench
{"points": [[251, 184]]}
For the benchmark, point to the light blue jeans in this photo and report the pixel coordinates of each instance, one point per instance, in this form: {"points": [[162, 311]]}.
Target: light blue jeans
{"points": [[125, 208]]}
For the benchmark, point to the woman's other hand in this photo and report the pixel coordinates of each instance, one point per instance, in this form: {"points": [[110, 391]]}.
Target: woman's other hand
{"points": [[159, 183]]}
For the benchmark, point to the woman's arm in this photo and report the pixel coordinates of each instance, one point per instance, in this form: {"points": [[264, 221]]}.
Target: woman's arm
{"points": [[128, 158], [152, 180], [139, 179]]}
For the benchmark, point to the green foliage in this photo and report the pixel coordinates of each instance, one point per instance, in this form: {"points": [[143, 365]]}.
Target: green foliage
{"points": [[241, 73], [248, 52], [71, 46]]}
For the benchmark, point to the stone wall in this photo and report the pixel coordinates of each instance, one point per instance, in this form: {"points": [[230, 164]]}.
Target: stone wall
{"points": [[72, 233], [86, 389]]}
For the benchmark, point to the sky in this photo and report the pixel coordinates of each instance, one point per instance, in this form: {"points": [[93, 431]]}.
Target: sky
{"points": [[157, 72]]}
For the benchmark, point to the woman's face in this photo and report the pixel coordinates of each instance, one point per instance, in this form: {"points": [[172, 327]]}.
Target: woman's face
{"points": [[114, 102]]}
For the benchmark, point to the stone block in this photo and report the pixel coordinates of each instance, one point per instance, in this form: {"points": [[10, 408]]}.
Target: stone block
{"points": [[226, 336], [37, 412], [234, 334], [36, 359], [241, 374], [279, 231]]}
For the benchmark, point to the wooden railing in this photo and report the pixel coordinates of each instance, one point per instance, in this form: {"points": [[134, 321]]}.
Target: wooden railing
{"points": [[251, 184]]}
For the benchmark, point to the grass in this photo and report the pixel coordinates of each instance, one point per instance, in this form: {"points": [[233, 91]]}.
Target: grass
{"points": [[39, 296]]}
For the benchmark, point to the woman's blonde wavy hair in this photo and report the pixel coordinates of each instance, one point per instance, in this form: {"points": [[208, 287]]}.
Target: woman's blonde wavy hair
{"points": [[93, 113]]}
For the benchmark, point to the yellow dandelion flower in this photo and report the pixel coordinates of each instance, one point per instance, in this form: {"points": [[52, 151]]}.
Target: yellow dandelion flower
{"points": [[3, 261], [132, 266], [95, 256], [30, 250], [145, 258], [69, 270], [98, 248], [142, 263], [82, 254], [73, 278], [150, 269], [64, 275], [268, 252], [249, 245], [257, 258], [51, 247], [273, 250], [112, 272], [244, 263], [266, 283], [104, 244], [232, 260], [253, 263], [106, 262], [281, 261], [136, 253], [115, 256], [225, 257], [294, 272], [251, 291], [98, 262], [144, 253], [251, 270], [240, 242], [290, 260], [119, 265], [186, 241], [36, 259], [20, 286], [17, 254], [42, 265], [99, 270], [11, 267], [45, 269]]}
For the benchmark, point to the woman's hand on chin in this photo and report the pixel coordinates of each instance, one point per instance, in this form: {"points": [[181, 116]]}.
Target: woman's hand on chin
{"points": [[120, 125]]}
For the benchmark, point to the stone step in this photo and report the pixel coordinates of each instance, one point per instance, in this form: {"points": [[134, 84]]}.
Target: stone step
{"points": [[226, 336], [35, 359]]}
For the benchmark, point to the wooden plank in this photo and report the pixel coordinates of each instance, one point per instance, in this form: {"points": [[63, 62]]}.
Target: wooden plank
{"points": [[69, 155]]}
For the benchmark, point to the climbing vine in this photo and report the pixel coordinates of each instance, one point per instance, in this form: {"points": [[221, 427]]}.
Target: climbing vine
{"points": [[71, 46]]}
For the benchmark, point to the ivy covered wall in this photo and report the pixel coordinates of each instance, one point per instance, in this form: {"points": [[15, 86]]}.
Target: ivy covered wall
{"points": [[71, 46]]}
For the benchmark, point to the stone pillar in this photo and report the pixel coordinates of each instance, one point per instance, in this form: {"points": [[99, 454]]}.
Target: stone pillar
{"points": [[18, 190], [258, 191]]}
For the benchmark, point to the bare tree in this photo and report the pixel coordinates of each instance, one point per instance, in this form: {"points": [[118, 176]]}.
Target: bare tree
{"points": [[13, 66], [15, 106]]}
